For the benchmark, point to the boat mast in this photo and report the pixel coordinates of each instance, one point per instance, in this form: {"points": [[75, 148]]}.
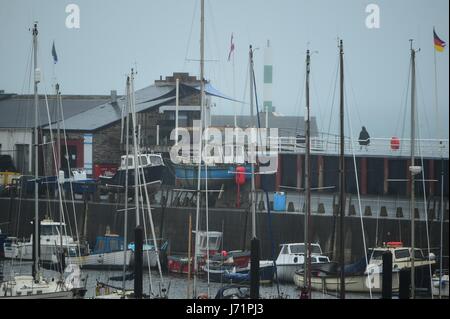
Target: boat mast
{"points": [[412, 172], [341, 175], [307, 259], [252, 148], [36, 155], [202, 91], [125, 231], [135, 149]]}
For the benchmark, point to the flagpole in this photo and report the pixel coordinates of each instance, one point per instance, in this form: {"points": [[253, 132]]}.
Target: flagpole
{"points": [[442, 167]]}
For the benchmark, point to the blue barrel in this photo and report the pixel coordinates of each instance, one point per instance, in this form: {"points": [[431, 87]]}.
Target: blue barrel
{"points": [[279, 201]]}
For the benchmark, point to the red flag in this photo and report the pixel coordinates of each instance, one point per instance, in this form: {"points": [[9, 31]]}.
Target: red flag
{"points": [[231, 47]]}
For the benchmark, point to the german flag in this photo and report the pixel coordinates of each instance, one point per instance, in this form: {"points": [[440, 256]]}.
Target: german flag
{"points": [[439, 45]]}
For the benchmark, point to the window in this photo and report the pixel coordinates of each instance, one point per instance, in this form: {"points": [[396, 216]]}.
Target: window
{"points": [[143, 161], [100, 245], [284, 250], [418, 254], [402, 253], [298, 249], [22, 158], [49, 230], [155, 160], [113, 244]]}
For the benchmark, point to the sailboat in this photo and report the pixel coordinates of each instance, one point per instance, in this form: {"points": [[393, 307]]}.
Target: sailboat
{"points": [[36, 286], [106, 291]]}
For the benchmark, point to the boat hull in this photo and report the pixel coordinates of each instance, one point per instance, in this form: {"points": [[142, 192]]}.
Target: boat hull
{"points": [[285, 272], [113, 260], [358, 283], [218, 175]]}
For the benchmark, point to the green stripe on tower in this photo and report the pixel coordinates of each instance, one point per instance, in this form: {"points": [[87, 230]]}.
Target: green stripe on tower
{"points": [[267, 74]]}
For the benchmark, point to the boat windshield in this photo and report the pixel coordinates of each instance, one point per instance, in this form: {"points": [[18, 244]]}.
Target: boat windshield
{"points": [[405, 253], [300, 249], [49, 230], [143, 161], [378, 254], [155, 160]]}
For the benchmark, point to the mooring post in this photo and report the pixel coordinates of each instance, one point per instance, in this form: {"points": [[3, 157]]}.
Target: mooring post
{"points": [[138, 243], [254, 269], [404, 284], [386, 288]]}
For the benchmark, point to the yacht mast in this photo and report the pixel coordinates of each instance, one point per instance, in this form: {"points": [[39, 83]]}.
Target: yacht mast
{"points": [[36, 155], [252, 148], [127, 139], [412, 170], [202, 91], [341, 175], [307, 258]]}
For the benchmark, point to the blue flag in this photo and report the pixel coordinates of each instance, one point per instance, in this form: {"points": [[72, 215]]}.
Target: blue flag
{"points": [[55, 57]]}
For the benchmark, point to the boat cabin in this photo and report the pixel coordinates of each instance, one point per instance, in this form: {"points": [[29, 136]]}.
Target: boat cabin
{"points": [[144, 161], [108, 244], [202, 238], [299, 249], [401, 256]]}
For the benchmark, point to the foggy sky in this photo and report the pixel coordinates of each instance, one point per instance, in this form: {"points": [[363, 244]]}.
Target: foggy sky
{"points": [[159, 37]]}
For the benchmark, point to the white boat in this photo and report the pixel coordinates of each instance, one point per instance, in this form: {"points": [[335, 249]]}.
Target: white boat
{"points": [[292, 257], [444, 285], [371, 278], [50, 244], [25, 287]]}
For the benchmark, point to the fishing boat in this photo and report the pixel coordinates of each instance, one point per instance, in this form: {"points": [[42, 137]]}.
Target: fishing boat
{"points": [[151, 167], [218, 175], [150, 255], [182, 264], [292, 257], [107, 254]]}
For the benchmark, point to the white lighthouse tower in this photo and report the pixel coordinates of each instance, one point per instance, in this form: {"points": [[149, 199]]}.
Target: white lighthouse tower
{"points": [[268, 80]]}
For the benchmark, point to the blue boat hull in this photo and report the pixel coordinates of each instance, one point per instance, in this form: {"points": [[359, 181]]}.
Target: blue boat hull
{"points": [[218, 175]]}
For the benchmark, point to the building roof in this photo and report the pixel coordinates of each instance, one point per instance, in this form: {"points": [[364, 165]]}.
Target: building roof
{"points": [[17, 111], [287, 125], [150, 97]]}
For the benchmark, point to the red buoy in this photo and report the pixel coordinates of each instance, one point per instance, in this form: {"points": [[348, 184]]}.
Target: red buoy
{"points": [[240, 175], [395, 143]]}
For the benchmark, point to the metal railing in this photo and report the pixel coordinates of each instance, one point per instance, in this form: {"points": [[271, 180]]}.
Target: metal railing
{"points": [[329, 144]]}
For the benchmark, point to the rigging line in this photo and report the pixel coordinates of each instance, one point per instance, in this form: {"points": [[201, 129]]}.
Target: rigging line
{"points": [[61, 207], [405, 98], [145, 233], [349, 82], [332, 102], [405, 112], [359, 196], [190, 35], [424, 105], [243, 103], [426, 211], [319, 107], [299, 99], [152, 227], [72, 199], [267, 193], [19, 110]]}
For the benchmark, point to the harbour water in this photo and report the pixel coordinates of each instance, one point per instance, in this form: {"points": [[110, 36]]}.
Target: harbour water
{"points": [[177, 284]]}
